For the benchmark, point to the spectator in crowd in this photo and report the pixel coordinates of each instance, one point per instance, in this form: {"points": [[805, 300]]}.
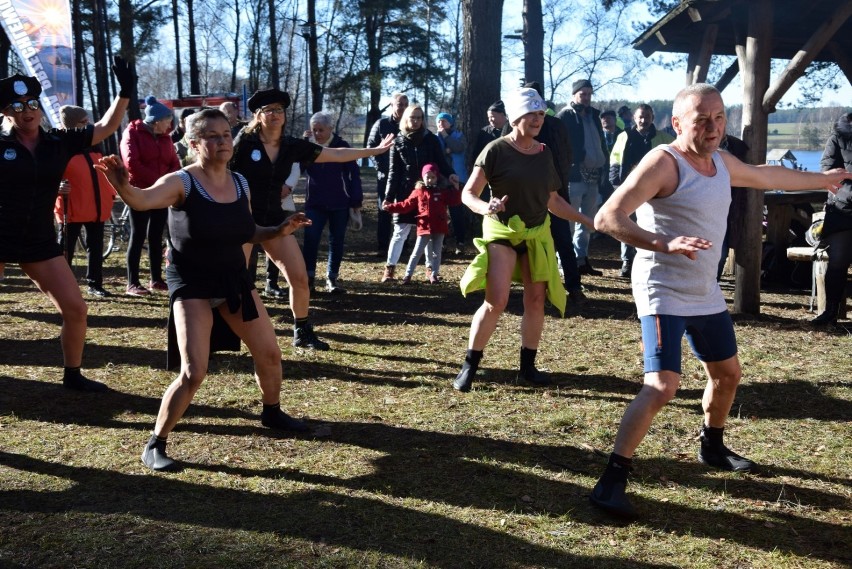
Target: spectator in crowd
{"points": [[516, 243], [209, 220], [265, 156], [454, 144], [233, 113], [414, 147], [496, 116], [630, 147], [27, 232], [589, 150], [181, 144], [85, 202], [430, 201], [836, 235], [625, 117], [680, 193], [611, 132], [382, 128], [333, 189], [148, 153]]}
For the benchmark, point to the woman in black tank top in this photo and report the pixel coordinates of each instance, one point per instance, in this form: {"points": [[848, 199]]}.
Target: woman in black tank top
{"points": [[210, 219]]}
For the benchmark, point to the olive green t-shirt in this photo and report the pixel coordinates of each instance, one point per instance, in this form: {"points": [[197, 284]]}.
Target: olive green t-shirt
{"points": [[528, 180]]}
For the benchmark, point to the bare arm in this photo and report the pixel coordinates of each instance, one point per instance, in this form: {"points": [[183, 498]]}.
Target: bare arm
{"points": [[349, 154], [167, 191], [655, 176], [766, 177], [559, 207], [286, 227], [473, 189], [111, 120]]}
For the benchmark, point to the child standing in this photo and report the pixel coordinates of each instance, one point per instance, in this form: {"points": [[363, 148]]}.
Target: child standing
{"points": [[431, 203]]}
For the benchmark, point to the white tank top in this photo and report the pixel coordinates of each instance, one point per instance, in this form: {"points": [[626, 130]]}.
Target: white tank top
{"points": [[665, 283]]}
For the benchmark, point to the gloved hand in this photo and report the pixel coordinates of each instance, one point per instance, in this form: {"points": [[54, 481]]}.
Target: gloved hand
{"points": [[125, 75]]}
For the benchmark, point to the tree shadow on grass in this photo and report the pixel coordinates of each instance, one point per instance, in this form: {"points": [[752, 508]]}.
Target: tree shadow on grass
{"points": [[320, 516]]}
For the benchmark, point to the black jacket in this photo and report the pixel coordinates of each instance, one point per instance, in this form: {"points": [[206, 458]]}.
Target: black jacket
{"points": [[838, 154], [381, 128], [407, 158], [568, 115]]}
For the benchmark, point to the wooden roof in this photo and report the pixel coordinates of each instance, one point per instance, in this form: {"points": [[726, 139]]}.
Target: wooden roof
{"points": [[795, 21]]}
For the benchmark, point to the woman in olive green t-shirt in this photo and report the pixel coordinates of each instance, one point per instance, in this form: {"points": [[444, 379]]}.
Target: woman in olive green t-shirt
{"points": [[516, 243]]}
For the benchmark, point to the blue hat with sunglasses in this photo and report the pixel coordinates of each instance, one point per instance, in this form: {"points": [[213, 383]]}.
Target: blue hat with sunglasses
{"points": [[17, 86], [155, 110]]}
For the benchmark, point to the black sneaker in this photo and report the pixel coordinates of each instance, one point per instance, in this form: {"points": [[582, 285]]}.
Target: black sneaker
{"points": [[576, 296], [534, 376], [304, 337], [273, 291], [282, 421], [154, 456], [587, 269], [98, 291], [332, 288], [81, 383], [724, 458], [610, 493], [626, 267]]}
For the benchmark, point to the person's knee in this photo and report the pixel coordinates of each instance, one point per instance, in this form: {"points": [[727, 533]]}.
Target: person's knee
{"points": [[193, 374], [268, 358], [496, 303], [534, 298], [661, 388], [74, 311]]}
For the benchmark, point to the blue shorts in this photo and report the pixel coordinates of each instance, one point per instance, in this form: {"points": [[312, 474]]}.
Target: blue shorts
{"points": [[711, 338]]}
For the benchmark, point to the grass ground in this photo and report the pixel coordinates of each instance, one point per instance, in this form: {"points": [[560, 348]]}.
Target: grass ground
{"points": [[401, 471]]}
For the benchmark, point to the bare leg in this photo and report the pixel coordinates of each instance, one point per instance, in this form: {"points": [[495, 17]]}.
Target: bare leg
{"points": [[532, 322], [54, 278], [193, 322], [285, 253], [659, 388], [501, 263], [722, 381]]}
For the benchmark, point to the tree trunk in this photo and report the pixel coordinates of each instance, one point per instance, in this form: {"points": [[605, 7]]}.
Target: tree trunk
{"points": [[236, 57], [194, 74], [373, 29], [754, 58], [126, 15], [178, 70], [274, 76], [313, 58], [77, 30], [533, 42], [480, 75]]}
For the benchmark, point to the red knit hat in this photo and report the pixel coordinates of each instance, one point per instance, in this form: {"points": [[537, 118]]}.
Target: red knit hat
{"points": [[429, 168]]}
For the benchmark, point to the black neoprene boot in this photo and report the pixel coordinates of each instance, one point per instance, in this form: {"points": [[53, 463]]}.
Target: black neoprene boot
{"points": [[154, 455], [528, 372], [713, 452], [73, 379], [464, 380], [609, 493]]}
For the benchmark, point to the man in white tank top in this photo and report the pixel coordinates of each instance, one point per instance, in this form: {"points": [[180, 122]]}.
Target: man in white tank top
{"points": [[680, 194]]}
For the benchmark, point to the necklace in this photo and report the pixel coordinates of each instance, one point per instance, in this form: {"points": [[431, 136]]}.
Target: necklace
{"points": [[514, 143]]}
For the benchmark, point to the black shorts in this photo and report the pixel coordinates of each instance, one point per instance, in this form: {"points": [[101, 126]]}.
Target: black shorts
{"points": [[520, 248]]}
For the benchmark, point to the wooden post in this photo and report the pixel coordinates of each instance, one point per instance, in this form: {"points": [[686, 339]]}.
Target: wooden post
{"points": [[754, 59]]}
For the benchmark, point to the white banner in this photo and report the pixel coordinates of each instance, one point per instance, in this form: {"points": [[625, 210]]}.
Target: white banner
{"points": [[40, 33]]}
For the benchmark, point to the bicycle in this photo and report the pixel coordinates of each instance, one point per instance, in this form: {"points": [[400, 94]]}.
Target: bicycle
{"points": [[117, 228]]}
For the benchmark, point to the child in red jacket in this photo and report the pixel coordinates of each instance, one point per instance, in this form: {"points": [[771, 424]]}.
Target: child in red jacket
{"points": [[431, 202]]}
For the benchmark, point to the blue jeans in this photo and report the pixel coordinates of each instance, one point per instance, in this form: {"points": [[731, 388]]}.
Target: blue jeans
{"points": [[560, 229], [337, 220], [584, 197]]}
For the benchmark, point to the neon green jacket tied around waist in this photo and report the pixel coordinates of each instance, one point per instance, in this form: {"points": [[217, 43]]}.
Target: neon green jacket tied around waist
{"points": [[540, 252]]}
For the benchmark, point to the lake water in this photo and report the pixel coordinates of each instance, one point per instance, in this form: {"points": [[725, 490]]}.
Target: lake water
{"points": [[809, 159]]}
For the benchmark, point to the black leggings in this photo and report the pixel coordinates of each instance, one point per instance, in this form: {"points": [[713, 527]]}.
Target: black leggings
{"points": [[94, 243], [150, 225]]}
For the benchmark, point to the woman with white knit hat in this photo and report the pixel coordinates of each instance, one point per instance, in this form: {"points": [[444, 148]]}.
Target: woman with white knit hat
{"points": [[516, 244]]}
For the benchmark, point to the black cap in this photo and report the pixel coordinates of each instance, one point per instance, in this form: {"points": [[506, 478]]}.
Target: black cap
{"points": [[497, 107], [535, 85], [608, 113], [579, 84], [267, 97], [623, 109], [16, 86]]}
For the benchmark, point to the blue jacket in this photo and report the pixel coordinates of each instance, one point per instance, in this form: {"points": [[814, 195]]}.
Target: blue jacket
{"points": [[333, 185], [457, 145]]}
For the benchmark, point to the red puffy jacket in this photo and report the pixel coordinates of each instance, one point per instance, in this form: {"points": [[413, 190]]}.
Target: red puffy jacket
{"points": [[431, 203], [146, 156]]}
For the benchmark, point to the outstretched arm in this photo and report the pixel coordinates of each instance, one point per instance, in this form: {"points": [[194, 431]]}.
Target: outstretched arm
{"points": [[167, 191], [286, 227], [349, 154], [559, 207], [111, 120], [766, 177]]}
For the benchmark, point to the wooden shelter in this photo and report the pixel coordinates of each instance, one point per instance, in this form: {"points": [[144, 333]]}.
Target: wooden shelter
{"points": [[755, 31]]}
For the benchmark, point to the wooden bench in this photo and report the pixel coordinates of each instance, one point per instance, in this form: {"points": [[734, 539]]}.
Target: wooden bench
{"points": [[819, 258]]}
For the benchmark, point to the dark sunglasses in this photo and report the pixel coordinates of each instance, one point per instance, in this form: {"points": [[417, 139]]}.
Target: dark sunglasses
{"points": [[19, 106]]}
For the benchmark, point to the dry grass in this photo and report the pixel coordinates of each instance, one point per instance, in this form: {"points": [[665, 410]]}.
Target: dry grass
{"points": [[401, 471]]}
